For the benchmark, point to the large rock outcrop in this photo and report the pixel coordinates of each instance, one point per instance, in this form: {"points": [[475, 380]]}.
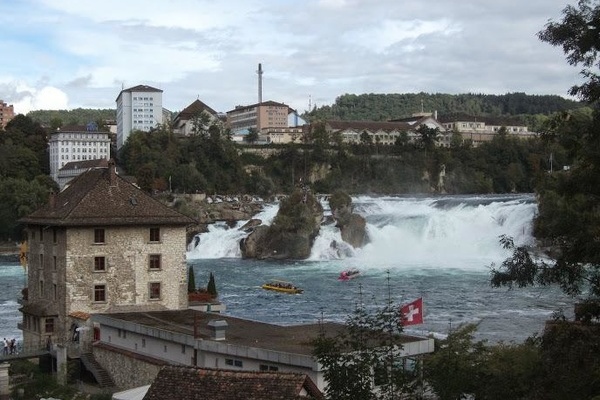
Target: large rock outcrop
{"points": [[292, 233], [353, 227]]}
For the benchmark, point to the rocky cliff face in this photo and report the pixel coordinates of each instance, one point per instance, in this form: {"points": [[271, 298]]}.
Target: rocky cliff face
{"points": [[352, 226], [292, 232]]}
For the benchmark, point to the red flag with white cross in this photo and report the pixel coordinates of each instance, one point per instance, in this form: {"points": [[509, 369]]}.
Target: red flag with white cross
{"points": [[412, 313]]}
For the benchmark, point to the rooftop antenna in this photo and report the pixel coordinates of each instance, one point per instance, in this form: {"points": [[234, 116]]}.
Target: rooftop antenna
{"points": [[259, 72]]}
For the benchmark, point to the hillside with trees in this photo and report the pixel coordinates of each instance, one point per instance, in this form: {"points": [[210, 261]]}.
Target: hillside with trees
{"points": [[383, 107], [78, 116]]}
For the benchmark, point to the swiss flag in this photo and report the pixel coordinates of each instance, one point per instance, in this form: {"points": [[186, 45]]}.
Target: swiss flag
{"points": [[412, 313]]}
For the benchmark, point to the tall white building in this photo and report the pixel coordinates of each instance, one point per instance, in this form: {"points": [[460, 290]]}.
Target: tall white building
{"points": [[77, 143], [138, 108]]}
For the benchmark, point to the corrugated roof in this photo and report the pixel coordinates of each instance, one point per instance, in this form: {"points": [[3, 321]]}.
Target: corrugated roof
{"points": [[100, 197]]}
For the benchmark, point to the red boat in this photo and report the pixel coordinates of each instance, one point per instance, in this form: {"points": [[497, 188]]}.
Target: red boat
{"points": [[348, 274]]}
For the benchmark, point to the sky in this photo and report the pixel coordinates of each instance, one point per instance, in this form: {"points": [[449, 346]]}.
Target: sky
{"points": [[66, 54]]}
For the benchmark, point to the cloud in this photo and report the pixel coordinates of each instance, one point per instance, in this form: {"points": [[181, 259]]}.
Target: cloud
{"points": [[321, 49]]}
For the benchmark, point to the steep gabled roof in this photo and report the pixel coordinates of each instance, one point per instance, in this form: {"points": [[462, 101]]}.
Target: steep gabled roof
{"points": [[191, 383], [194, 109], [100, 197]]}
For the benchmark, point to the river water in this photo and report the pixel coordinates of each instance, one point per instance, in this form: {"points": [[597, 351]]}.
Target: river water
{"points": [[440, 249]]}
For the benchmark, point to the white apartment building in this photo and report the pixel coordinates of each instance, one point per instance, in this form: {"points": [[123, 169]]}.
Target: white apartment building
{"points": [[138, 108], [77, 143]]}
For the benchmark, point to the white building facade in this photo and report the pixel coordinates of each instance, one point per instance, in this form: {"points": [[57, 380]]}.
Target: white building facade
{"points": [[77, 143], [138, 108]]}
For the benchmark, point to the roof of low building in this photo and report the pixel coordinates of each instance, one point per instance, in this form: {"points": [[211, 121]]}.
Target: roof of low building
{"points": [[296, 339], [372, 126], [270, 103], [101, 197], [191, 383], [505, 120], [86, 164]]}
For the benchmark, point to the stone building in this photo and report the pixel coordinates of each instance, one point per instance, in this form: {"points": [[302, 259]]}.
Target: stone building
{"points": [[100, 246], [7, 112]]}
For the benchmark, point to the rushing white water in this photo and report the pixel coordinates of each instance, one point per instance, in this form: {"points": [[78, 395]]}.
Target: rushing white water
{"points": [[451, 232]]}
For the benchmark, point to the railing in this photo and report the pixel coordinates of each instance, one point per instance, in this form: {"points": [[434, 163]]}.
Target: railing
{"points": [[21, 352]]}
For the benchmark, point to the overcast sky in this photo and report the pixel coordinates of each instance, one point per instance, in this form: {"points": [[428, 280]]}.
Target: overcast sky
{"points": [[64, 54]]}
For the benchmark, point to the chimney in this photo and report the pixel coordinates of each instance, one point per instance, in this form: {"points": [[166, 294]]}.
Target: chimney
{"points": [[260, 73], [52, 200], [217, 329], [112, 170]]}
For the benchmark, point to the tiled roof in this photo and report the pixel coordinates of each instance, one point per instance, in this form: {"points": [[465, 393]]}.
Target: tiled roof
{"points": [[80, 315], [194, 109], [372, 126], [190, 383], [100, 197]]}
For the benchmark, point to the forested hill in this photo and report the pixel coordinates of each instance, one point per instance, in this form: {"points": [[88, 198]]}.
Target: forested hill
{"points": [[77, 116], [376, 107], [383, 107]]}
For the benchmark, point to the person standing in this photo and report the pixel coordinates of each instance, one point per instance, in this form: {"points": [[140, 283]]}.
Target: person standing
{"points": [[5, 346]]}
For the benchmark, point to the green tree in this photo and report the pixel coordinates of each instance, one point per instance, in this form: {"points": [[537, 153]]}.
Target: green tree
{"points": [[212, 287], [366, 352], [191, 280], [252, 136], [569, 221], [454, 369]]}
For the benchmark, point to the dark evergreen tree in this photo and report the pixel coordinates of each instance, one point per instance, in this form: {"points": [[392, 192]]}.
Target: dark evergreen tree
{"points": [[191, 280]]}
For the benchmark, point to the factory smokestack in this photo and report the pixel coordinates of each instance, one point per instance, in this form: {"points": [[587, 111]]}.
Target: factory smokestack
{"points": [[259, 72]]}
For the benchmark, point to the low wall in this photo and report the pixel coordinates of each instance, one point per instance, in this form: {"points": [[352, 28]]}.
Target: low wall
{"points": [[127, 370]]}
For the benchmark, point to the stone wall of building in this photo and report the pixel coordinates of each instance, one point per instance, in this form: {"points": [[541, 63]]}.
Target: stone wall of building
{"points": [[127, 371], [127, 275]]}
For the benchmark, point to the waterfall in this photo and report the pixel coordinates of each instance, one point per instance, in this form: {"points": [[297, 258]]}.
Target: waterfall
{"points": [[428, 232]]}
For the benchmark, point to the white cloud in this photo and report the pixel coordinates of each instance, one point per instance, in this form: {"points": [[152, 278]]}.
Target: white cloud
{"points": [[45, 98]]}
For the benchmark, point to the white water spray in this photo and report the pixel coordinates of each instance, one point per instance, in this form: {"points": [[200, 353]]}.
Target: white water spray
{"points": [[460, 232]]}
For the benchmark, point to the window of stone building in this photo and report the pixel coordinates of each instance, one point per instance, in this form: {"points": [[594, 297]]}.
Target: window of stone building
{"points": [[54, 236], [154, 290], [99, 264], [41, 234], [49, 327], [54, 262], [155, 234], [41, 288], [55, 291], [143, 343], [100, 293], [41, 266], [99, 235], [264, 367], [154, 261]]}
